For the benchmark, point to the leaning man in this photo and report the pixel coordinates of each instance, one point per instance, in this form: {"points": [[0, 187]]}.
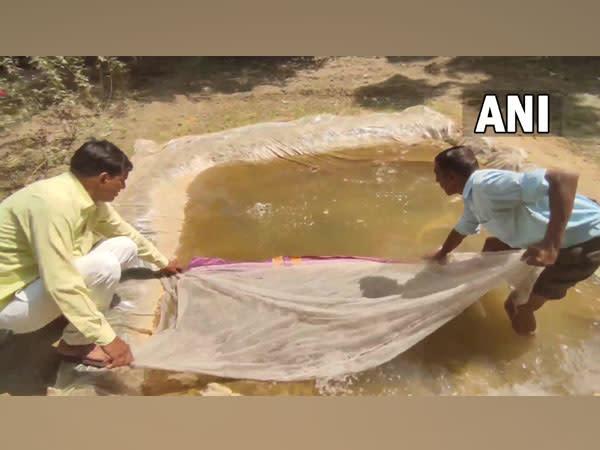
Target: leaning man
{"points": [[539, 211], [53, 260]]}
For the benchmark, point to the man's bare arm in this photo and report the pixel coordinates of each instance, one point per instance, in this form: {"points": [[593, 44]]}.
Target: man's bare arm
{"points": [[561, 192], [452, 241]]}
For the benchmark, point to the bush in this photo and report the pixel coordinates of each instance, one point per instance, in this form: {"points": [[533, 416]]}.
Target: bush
{"points": [[33, 84]]}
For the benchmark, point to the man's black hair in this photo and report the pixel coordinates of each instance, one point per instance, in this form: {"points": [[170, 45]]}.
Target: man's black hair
{"points": [[95, 157], [460, 160]]}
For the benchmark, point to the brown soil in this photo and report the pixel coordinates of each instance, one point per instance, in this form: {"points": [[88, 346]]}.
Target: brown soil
{"points": [[174, 97]]}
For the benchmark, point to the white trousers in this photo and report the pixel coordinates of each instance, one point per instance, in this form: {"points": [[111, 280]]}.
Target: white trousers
{"points": [[32, 307]]}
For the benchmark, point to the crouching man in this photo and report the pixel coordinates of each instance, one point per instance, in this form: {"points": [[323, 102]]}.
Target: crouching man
{"points": [[53, 262], [538, 211]]}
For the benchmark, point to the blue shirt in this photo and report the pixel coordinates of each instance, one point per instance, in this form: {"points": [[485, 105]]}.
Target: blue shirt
{"points": [[515, 208]]}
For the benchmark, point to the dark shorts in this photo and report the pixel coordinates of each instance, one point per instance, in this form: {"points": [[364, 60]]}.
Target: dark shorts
{"points": [[574, 264]]}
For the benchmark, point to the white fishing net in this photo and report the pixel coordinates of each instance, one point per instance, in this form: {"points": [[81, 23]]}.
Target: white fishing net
{"points": [[299, 319]]}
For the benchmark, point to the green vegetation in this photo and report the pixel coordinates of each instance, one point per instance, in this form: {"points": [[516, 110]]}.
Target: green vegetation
{"points": [[34, 84]]}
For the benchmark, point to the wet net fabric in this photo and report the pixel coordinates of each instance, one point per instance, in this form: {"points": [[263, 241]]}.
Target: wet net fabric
{"points": [[301, 318]]}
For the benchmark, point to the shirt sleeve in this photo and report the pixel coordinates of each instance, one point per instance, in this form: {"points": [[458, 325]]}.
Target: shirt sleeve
{"points": [[468, 223], [534, 185], [110, 224], [49, 232]]}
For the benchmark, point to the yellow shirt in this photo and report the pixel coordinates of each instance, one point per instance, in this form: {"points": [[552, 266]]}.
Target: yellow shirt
{"points": [[43, 228]]}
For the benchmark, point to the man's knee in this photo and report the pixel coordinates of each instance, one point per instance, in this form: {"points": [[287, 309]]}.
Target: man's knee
{"points": [[101, 268], [125, 249], [535, 302], [127, 244], [122, 247], [493, 244], [109, 272]]}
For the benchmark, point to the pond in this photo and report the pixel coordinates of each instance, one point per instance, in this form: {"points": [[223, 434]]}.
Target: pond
{"points": [[384, 202]]}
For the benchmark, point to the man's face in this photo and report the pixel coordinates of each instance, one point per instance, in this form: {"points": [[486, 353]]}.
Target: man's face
{"points": [[447, 180], [110, 186]]}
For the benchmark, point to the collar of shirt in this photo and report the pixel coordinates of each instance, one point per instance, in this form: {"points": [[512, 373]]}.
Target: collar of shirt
{"points": [[82, 197], [468, 186]]}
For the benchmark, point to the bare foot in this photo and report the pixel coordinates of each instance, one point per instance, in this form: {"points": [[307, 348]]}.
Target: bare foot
{"points": [[523, 322], [89, 354]]}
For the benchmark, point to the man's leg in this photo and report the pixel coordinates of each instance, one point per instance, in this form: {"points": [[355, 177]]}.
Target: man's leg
{"points": [[101, 270], [32, 308], [523, 319], [493, 244], [574, 264], [496, 245]]}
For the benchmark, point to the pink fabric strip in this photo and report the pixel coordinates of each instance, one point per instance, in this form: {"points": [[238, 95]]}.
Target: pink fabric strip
{"points": [[199, 261]]}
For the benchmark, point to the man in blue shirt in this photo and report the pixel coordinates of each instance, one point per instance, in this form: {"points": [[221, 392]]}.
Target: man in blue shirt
{"points": [[538, 211]]}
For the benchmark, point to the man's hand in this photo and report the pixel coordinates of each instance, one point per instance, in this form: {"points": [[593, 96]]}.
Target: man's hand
{"points": [[561, 193], [119, 352], [439, 257], [452, 241], [541, 254], [171, 269]]}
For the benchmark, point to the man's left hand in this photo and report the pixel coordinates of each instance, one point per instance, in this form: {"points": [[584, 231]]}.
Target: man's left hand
{"points": [[540, 254]]}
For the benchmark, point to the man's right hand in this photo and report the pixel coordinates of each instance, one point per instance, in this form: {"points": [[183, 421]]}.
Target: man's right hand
{"points": [[541, 254], [170, 269], [119, 352]]}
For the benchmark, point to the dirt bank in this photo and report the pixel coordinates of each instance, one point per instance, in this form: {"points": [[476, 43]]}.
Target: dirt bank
{"points": [[192, 96]]}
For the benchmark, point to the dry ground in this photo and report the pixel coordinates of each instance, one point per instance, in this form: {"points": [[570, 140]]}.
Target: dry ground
{"points": [[170, 98]]}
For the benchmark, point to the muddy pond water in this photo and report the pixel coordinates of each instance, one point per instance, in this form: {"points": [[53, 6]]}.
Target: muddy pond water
{"points": [[384, 202]]}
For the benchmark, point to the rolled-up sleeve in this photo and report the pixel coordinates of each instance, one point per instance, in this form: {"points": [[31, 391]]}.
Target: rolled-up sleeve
{"points": [[49, 233], [110, 224], [468, 223]]}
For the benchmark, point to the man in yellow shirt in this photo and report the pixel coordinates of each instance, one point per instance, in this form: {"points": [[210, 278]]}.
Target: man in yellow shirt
{"points": [[51, 260]]}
